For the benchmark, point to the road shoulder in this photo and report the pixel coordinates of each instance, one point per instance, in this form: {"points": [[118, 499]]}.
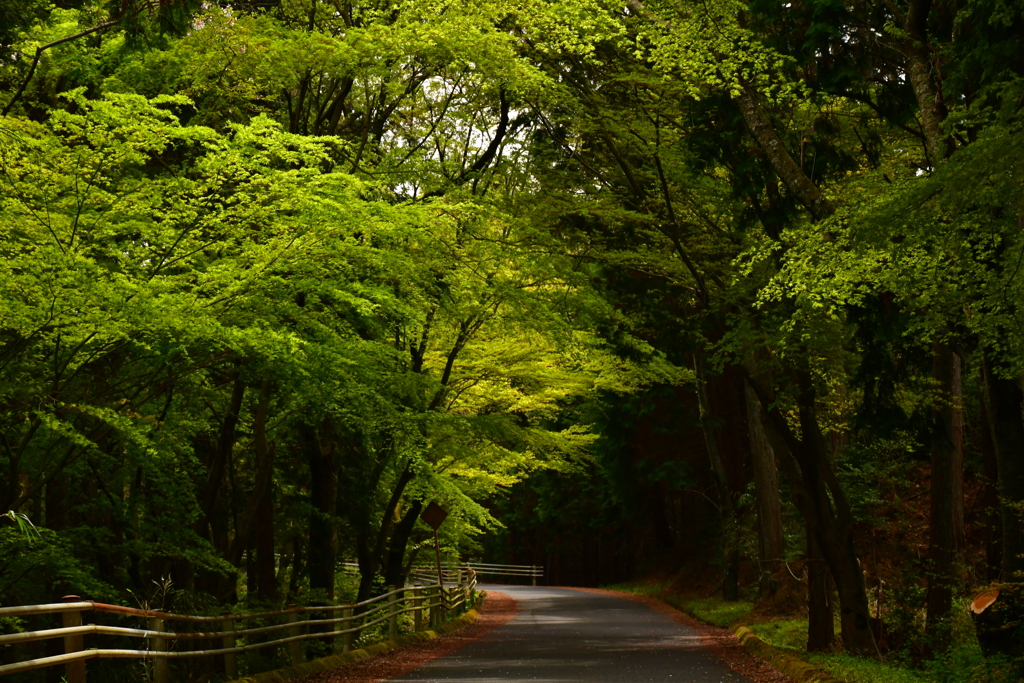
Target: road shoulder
{"points": [[741, 651]]}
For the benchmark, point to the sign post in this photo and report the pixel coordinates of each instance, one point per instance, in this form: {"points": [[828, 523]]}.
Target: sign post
{"points": [[434, 515]]}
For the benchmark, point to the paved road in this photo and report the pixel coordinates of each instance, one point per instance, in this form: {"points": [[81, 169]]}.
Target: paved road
{"points": [[564, 635]]}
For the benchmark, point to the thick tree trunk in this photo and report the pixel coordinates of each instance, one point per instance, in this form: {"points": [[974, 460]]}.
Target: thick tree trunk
{"points": [[946, 484], [394, 574], [821, 630], [258, 509], [923, 80], [323, 494], [959, 529], [832, 524], [263, 521], [266, 566], [999, 627], [824, 507], [771, 541], [730, 580], [761, 127], [370, 557], [919, 71], [221, 455], [1006, 402], [990, 497]]}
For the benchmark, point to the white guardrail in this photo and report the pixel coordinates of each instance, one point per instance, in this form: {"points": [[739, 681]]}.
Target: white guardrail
{"points": [[451, 573], [429, 603]]}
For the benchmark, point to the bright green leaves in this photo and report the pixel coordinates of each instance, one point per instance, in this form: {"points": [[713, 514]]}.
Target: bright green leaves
{"points": [[708, 48]]}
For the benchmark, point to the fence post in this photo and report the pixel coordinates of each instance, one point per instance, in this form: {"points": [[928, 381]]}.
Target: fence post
{"points": [[230, 658], [336, 626], [417, 610], [533, 574], [161, 669], [346, 638], [295, 648], [75, 670], [446, 598], [393, 613], [442, 611]]}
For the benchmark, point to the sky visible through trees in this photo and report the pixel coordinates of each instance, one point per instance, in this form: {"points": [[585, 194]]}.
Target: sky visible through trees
{"points": [[730, 287]]}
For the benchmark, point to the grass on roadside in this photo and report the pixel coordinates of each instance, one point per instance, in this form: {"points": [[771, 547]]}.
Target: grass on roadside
{"points": [[860, 670], [785, 634], [961, 665], [714, 611]]}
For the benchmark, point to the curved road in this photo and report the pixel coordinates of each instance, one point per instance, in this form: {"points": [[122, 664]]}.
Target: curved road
{"points": [[565, 635]]}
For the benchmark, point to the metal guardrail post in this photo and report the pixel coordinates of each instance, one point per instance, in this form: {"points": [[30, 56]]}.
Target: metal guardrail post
{"points": [[231, 658], [346, 638], [417, 607], [337, 626], [75, 670], [295, 647], [393, 613], [161, 665]]}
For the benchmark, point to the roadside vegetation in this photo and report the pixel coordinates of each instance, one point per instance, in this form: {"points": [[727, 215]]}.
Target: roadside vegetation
{"points": [[962, 663]]}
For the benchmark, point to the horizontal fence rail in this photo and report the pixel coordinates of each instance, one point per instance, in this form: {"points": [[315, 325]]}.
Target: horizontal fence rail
{"points": [[429, 604], [424, 573], [529, 571]]}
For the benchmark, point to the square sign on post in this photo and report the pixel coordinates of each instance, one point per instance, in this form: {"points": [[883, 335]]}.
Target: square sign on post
{"points": [[434, 515]]}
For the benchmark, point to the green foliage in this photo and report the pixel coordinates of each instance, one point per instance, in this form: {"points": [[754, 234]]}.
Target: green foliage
{"points": [[860, 670], [33, 570], [789, 634], [714, 610]]}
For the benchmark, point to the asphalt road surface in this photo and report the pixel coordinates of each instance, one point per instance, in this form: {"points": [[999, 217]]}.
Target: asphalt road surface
{"points": [[565, 635]]}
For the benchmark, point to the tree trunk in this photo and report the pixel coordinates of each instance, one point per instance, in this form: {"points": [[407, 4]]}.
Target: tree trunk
{"points": [[821, 630], [945, 460], [369, 557], [927, 89], [999, 627], [220, 456], [730, 580], [959, 529], [255, 527], [822, 502], [760, 126], [919, 71], [323, 495], [990, 497], [298, 568], [1005, 404], [263, 522], [771, 541], [394, 574]]}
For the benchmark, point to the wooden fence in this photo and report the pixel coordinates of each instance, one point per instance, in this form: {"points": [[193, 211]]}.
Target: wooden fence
{"points": [[430, 604]]}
